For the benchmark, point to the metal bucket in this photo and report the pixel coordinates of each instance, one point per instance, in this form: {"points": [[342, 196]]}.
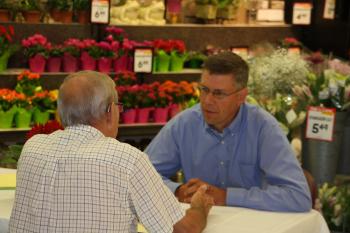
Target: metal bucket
{"points": [[320, 158], [344, 160]]}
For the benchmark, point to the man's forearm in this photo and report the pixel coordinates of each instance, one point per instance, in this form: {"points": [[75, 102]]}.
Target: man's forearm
{"points": [[194, 221]]}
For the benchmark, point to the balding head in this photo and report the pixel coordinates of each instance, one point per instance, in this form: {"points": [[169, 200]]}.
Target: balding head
{"points": [[84, 97]]}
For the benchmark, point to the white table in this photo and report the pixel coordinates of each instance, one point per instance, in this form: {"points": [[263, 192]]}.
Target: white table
{"points": [[229, 219]]}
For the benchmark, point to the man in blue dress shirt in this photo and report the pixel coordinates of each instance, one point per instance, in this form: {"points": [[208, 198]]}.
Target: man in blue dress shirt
{"points": [[236, 148]]}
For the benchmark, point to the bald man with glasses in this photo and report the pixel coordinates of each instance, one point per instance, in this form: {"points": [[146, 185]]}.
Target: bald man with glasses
{"points": [[237, 149]]}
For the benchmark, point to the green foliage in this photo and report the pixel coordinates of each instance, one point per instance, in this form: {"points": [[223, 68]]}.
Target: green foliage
{"points": [[207, 2], [61, 5], [29, 5], [81, 5], [11, 156], [334, 204], [4, 4]]}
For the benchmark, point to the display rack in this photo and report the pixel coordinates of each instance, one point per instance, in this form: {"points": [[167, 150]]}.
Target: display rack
{"points": [[125, 132], [197, 37]]}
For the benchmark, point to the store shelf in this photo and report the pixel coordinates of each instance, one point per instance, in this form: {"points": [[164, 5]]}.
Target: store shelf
{"points": [[51, 81], [144, 130]]}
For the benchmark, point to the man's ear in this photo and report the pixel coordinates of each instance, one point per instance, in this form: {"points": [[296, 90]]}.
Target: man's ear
{"points": [[242, 95], [109, 113]]}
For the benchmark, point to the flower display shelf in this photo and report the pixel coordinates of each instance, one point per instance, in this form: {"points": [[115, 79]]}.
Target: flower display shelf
{"points": [[51, 81], [145, 130]]}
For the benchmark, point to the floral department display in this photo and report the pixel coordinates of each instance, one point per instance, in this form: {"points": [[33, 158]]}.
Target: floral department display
{"points": [[7, 46], [334, 204], [155, 102], [27, 104]]}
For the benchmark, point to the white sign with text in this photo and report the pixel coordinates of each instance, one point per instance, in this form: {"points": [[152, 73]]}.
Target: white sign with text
{"points": [[320, 123], [100, 11], [143, 60], [302, 13]]}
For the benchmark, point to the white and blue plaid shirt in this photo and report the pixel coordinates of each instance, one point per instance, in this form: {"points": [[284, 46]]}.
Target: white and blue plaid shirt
{"points": [[78, 180]]}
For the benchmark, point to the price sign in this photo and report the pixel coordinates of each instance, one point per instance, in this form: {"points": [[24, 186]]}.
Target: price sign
{"points": [[143, 60], [100, 11], [302, 13], [320, 123], [329, 9]]}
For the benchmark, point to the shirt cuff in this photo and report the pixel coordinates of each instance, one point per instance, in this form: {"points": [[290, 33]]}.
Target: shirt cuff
{"points": [[172, 185], [235, 196]]}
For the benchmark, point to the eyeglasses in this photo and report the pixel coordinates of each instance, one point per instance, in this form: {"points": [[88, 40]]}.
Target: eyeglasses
{"points": [[218, 94], [119, 105]]}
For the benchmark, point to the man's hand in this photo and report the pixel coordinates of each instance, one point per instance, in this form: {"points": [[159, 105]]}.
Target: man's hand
{"points": [[195, 219], [185, 192], [200, 200]]}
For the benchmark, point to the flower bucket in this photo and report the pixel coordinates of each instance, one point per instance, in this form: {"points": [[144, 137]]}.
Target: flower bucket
{"points": [[344, 159], [155, 64], [4, 58], [121, 63], [206, 11], [104, 64], [129, 116], [161, 115], [320, 158], [37, 63], [23, 118], [4, 15], [54, 64], [174, 109], [40, 117], [177, 62], [87, 62], [70, 63], [83, 16], [143, 115], [6, 118], [32, 16], [163, 62]]}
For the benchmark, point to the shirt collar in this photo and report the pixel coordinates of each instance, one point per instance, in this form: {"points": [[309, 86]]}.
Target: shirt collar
{"points": [[84, 131]]}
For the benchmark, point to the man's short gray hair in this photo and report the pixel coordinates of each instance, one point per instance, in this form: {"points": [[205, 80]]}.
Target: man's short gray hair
{"points": [[84, 97], [228, 63]]}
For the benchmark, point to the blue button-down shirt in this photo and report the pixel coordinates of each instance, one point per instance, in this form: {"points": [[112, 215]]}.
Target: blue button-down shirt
{"points": [[252, 159]]}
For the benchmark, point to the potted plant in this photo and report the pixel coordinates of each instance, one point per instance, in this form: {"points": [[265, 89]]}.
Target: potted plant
{"points": [[89, 54], [206, 9], [4, 11], [61, 10], [24, 111], [31, 10], [7, 47], [36, 49], [227, 9], [106, 53], [44, 103], [54, 60], [7, 108], [195, 60], [72, 50], [82, 10]]}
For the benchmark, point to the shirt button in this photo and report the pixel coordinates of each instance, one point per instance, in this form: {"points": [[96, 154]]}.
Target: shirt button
{"points": [[222, 142], [222, 163], [232, 134], [223, 183]]}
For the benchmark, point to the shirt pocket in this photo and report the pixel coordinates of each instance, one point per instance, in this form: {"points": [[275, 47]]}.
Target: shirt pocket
{"points": [[247, 173]]}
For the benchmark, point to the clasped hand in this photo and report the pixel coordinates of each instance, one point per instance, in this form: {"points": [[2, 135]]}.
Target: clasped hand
{"points": [[185, 192]]}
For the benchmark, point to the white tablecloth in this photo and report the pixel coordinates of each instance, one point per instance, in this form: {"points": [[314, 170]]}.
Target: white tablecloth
{"points": [[228, 219]]}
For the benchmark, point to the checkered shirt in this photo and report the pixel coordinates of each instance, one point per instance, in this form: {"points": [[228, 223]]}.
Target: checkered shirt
{"points": [[78, 180]]}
